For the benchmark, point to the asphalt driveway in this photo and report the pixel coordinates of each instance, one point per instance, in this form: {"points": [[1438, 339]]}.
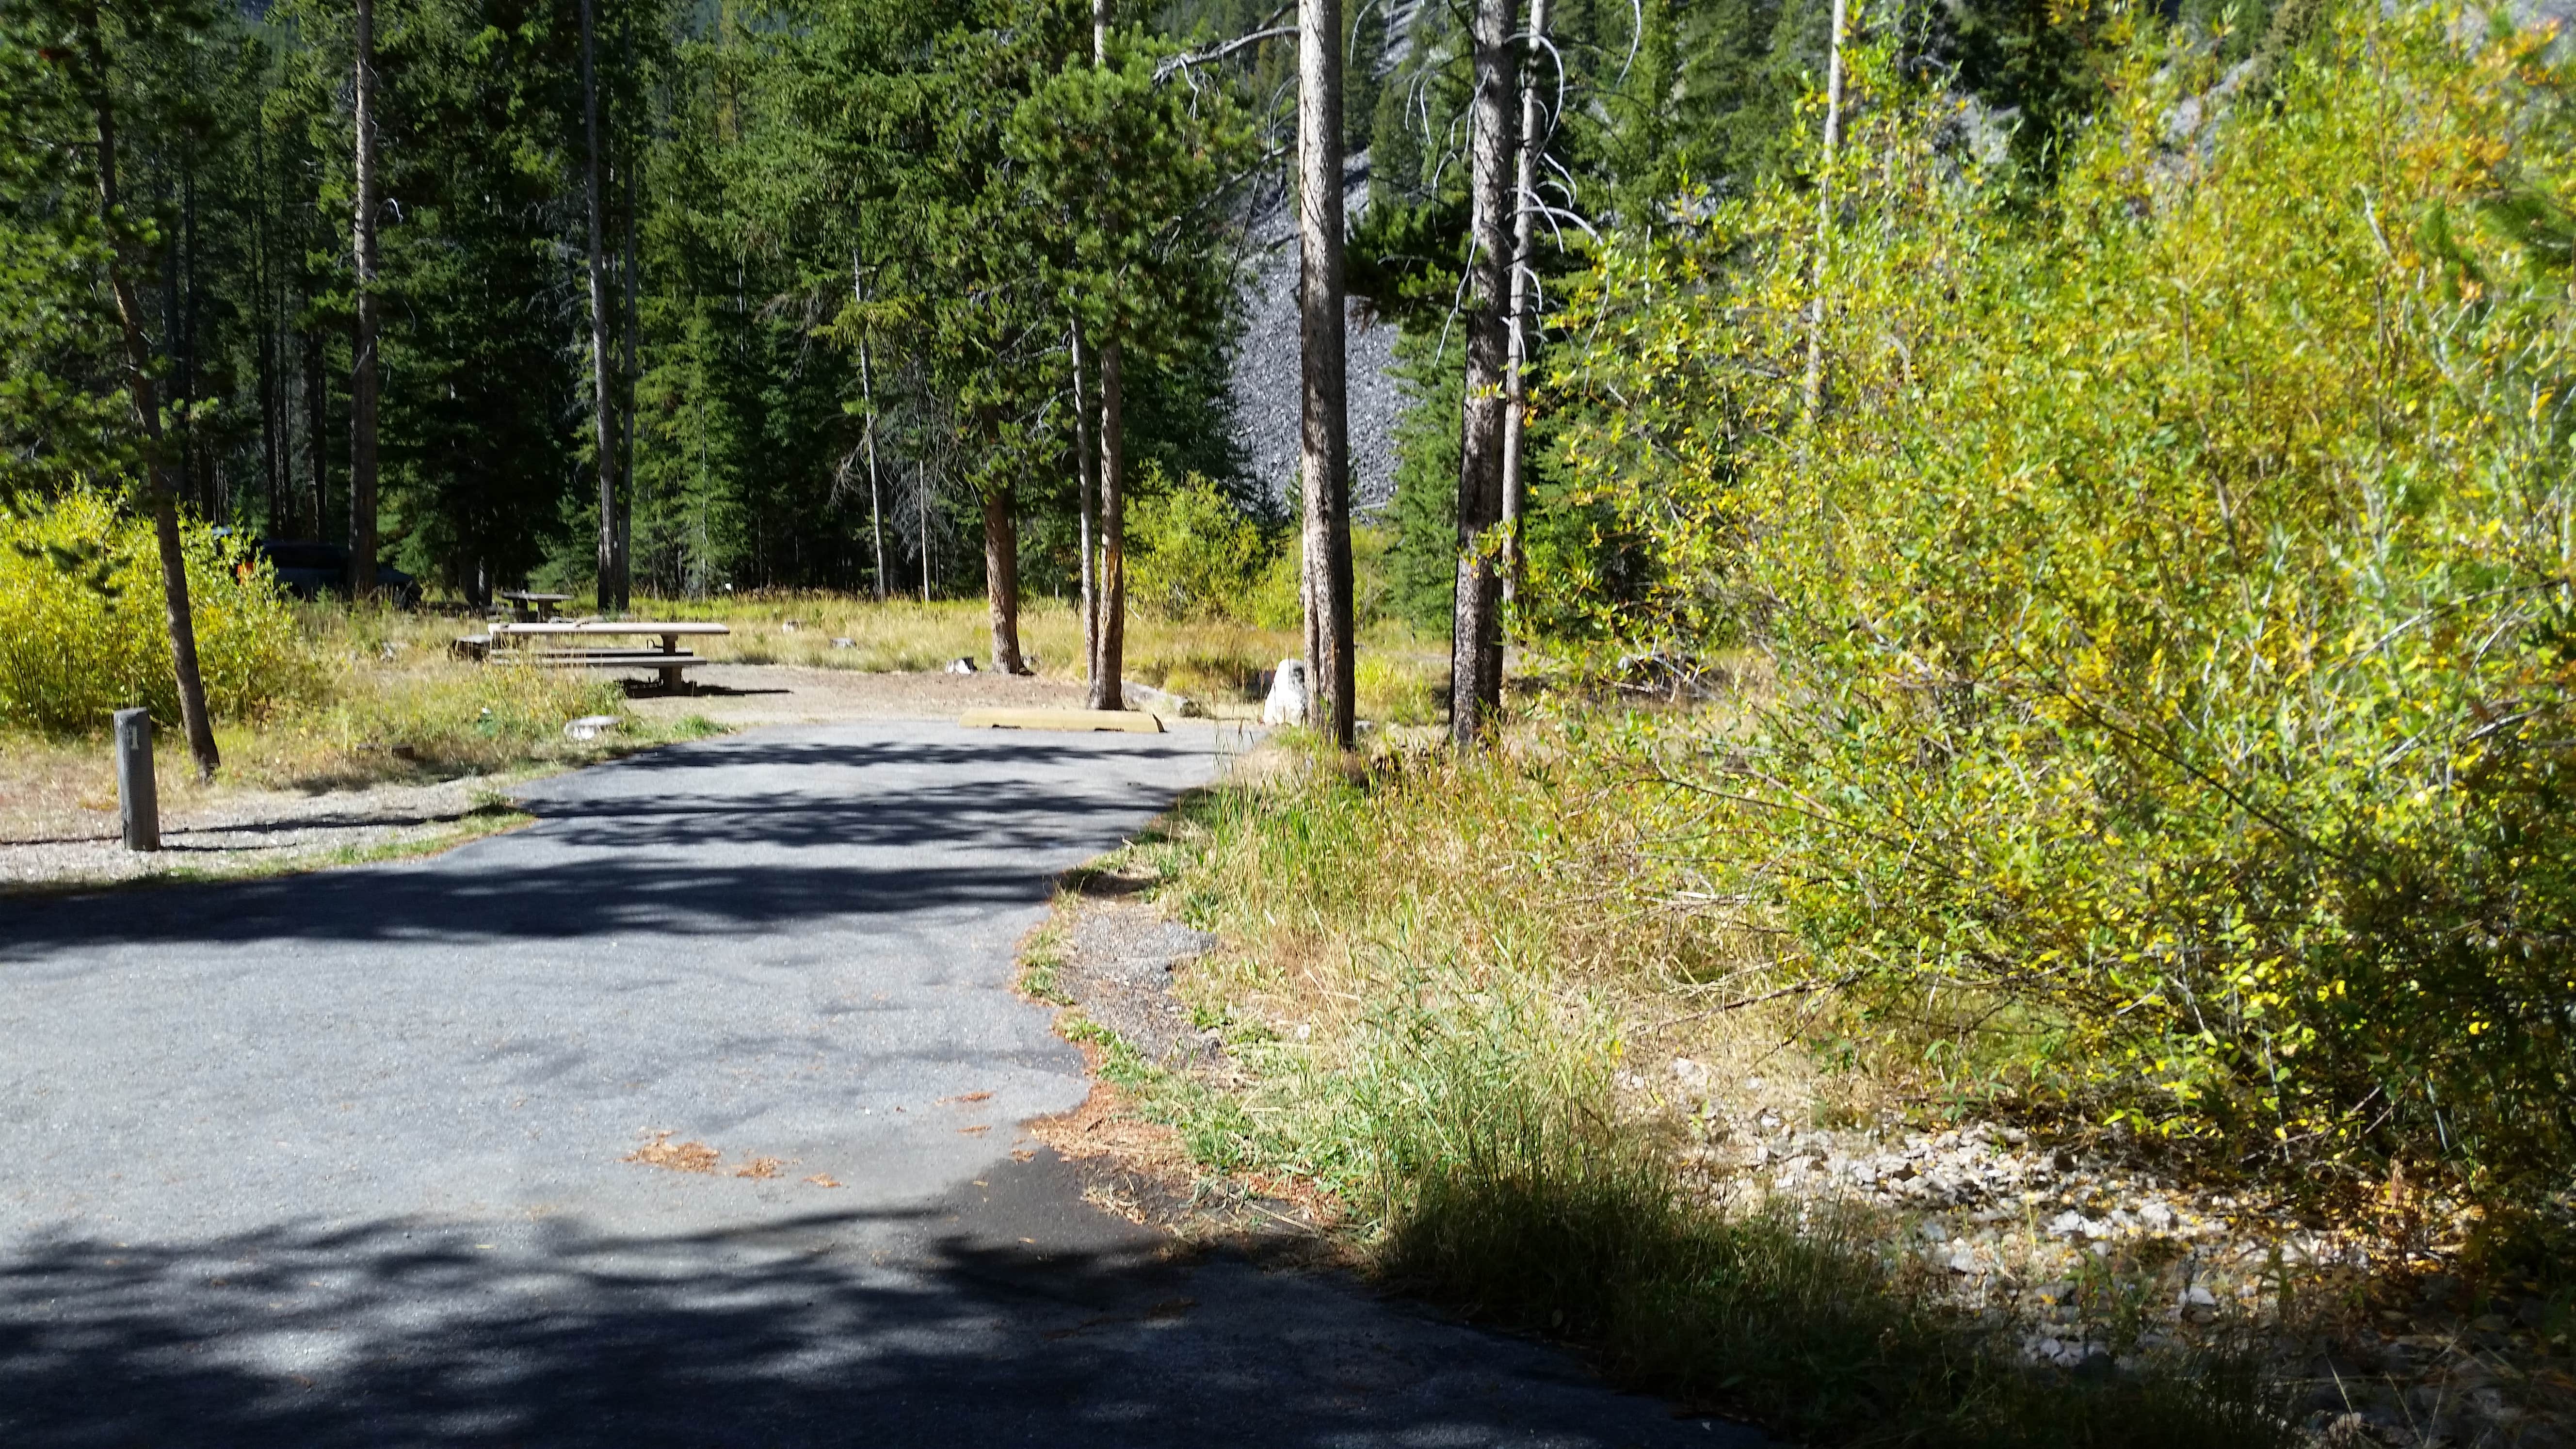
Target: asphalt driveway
{"points": [[346, 1158]]}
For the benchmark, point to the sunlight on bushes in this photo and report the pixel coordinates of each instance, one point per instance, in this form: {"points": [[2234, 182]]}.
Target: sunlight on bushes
{"points": [[83, 631]]}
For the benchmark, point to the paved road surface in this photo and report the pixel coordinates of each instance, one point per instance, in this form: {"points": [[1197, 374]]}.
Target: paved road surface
{"points": [[339, 1159]]}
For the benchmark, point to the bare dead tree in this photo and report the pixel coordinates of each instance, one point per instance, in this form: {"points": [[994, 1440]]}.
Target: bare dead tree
{"points": [[1323, 369], [1109, 639], [1476, 650], [1524, 306], [612, 588]]}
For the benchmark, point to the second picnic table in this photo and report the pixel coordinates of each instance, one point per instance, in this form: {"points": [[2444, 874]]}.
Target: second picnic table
{"points": [[568, 653]]}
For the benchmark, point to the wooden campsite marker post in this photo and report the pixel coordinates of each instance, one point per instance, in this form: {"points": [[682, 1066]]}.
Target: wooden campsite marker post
{"points": [[136, 797]]}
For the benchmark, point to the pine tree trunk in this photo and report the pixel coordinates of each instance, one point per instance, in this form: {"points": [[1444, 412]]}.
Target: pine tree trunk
{"points": [[362, 354], [180, 618], [1109, 630], [1086, 468], [1524, 327], [1109, 655], [876, 490], [868, 400], [1476, 650], [1324, 413], [612, 589], [1002, 577], [632, 327], [317, 441]]}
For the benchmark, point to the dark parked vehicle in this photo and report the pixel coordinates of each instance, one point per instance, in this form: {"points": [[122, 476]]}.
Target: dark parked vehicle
{"points": [[309, 568]]}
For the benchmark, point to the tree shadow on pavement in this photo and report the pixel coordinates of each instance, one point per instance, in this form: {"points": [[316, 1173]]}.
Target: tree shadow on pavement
{"points": [[1070, 1335]]}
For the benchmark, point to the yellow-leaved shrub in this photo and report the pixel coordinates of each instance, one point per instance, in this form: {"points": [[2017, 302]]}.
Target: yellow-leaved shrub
{"points": [[84, 629]]}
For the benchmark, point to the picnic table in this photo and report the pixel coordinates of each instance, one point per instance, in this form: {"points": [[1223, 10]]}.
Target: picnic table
{"points": [[556, 643], [528, 608]]}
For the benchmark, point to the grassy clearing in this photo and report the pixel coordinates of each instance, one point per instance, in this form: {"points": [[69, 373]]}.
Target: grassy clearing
{"points": [[1216, 660], [1438, 973]]}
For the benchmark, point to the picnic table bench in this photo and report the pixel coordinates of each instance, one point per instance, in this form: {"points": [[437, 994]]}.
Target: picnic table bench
{"points": [[556, 644], [528, 608]]}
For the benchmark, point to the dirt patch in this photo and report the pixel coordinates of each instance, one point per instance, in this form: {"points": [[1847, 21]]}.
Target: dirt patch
{"points": [[247, 832], [742, 695], [673, 1156], [1117, 966], [1108, 960]]}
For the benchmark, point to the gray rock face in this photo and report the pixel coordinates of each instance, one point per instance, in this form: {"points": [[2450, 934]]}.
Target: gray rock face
{"points": [[1290, 696], [1268, 393]]}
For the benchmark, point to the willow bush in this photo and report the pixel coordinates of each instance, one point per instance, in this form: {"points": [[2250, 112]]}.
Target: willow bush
{"points": [[2169, 594], [83, 631]]}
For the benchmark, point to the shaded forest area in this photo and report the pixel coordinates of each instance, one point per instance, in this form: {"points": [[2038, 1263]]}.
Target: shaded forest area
{"points": [[800, 230]]}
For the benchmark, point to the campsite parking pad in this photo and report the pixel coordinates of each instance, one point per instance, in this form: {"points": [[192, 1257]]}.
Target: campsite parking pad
{"points": [[686, 1116]]}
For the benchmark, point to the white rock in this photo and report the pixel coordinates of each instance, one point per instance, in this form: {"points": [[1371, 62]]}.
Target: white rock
{"points": [[590, 726], [1290, 698], [845, 643], [961, 665]]}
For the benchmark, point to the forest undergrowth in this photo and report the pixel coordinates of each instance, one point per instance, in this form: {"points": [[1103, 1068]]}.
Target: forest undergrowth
{"points": [[2161, 613]]}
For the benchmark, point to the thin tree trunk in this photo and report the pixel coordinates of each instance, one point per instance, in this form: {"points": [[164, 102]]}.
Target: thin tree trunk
{"points": [[1002, 577], [1524, 308], [1476, 650], [612, 589], [317, 440], [362, 343], [1109, 657], [1109, 634], [1324, 465], [1086, 468], [876, 492], [628, 376], [181, 619], [1824, 218], [263, 278], [868, 399], [921, 500]]}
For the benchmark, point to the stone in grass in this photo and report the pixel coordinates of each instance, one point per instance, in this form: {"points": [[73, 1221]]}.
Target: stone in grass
{"points": [[961, 665], [1290, 698], [1161, 701], [845, 643], [591, 726]]}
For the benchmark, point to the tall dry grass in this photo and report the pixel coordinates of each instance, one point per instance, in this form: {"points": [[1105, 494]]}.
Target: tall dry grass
{"points": [[1440, 971]]}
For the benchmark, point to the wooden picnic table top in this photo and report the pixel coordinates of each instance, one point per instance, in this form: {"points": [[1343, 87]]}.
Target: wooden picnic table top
{"points": [[594, 626]]}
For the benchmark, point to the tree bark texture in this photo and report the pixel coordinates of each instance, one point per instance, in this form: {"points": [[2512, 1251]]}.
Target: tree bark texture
{"points": [[1324, 416], [1109, 656], [876, 490], [179, 616], [868, 400], [317, 443], [1524, 325], [1002, 577], [627, 376], [612, 589], [362, 341], [1476, 649], [1109, 632], [1086, 467]]}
